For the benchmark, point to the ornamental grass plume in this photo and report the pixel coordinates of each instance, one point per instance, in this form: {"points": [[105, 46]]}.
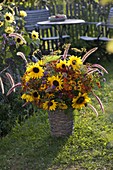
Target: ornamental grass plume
{"points": [[61, 82]]}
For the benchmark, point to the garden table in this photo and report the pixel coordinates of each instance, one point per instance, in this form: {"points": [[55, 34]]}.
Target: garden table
{"points": [[61, 25]]}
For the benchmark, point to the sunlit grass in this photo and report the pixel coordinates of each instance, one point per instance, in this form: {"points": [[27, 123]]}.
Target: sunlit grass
{"points": [[90, 147]]}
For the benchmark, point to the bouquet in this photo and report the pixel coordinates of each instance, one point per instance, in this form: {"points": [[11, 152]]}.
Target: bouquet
{"points": [[61, 82]]}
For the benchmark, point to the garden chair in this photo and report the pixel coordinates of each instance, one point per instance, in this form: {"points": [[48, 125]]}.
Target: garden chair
{"points": [[103, 30], [47, 34]]}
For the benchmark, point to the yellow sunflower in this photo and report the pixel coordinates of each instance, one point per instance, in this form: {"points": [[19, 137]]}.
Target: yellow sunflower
{"points": [[62, 106], [27, 97], [1, 23], [33, 96], [19, 41], [55, 82], [23, 13], [9, 17], [62, 64], [50, 105], [34, 35], [80, 101], [9, 30], [34, 70], [75, 62]]}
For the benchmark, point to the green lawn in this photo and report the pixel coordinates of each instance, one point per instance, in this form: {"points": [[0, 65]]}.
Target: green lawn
{"points": [[31, 147]]}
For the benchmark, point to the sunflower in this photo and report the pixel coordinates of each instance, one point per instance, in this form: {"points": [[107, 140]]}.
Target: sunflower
{"points": [[33, 96], [9, 17], [34, 35], [9, 30], [55, 82], [75, 62], [80, 101], [34, 70], [62, 106], [50, 105], [27, 97], [62, 64], [1, 23], [23, 13], [19, 41]]}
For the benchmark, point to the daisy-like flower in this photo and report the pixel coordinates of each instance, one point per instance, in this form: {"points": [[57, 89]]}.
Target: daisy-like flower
{"points": [[27, 97], [61, 65], [50, 105], [34, 70], [62, 106], [19, 41], [9, 17], [80, 101], [34, 35], [55, 82], [75, 62], [9, 30], [23, 13], [1, 23], [33, 96]]}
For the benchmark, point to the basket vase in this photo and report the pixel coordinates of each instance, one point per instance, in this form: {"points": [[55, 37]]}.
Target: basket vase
{"points": [[61, 122]]}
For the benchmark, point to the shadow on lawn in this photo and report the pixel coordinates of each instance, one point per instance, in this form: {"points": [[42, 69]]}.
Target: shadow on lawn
{"points": [[35, 148]]}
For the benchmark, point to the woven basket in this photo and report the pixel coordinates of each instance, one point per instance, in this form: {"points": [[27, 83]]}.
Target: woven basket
{"points": [[61, 122]]}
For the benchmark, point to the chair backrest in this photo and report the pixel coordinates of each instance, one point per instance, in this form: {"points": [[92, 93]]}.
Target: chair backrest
{"points": [[110, 18], [34, 16]]}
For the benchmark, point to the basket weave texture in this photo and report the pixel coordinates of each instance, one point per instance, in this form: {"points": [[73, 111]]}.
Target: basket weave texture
{"points": [[61, 122]]}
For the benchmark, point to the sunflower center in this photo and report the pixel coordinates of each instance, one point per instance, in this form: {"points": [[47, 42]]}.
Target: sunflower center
{"points": [[80, 100], [34, 35], [63, 65], [55, 83], [35, 94], [18, 40], [8, 18], [50, 103], [35, 70], [74, 62]]}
